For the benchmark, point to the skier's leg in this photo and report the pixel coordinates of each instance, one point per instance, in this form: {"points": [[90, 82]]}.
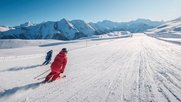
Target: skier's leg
{"points": [[49, 76], [56, 76], [44, 62], [47, 62]]}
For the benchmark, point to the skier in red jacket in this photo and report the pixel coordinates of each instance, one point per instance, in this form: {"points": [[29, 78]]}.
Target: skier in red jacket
{"points": [[57, 66]]}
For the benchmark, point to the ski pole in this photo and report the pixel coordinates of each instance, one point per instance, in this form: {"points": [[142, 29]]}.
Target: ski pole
{"points": [[42, 74], [41, 78]]}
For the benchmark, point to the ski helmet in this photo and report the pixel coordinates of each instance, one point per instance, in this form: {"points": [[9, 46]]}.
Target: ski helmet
{"points": [[64, 50]]}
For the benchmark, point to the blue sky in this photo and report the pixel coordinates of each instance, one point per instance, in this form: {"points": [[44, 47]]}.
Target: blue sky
{"points": [[15, 12]]}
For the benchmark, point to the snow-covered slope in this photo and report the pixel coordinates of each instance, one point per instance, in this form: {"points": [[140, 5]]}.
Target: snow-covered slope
{"points": [[140, 25], [105, 26], [135, 69], [68, 30], [112, 35], [169, 27], [169, 31], [27, 24]]}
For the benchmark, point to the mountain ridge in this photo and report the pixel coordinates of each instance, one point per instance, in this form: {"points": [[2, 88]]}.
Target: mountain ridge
{"points": [[74, 29]]}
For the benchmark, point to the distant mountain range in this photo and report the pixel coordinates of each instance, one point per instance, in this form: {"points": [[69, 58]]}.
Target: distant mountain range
{"points": [[69, 30]]}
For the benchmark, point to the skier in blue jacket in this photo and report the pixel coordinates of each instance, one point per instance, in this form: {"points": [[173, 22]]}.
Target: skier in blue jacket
{"points": [[48, 57]]}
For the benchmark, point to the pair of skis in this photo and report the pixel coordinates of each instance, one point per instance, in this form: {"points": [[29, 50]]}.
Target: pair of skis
{"points": [[45, 77], [39, 76], [51, 80]]}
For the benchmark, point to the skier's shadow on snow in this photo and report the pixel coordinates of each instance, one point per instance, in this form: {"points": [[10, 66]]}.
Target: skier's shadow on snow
{"points": [[21, 68], [20, 89]]}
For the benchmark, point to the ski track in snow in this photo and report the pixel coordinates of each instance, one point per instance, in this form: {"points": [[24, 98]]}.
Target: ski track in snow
{"points": [[137, 69]]}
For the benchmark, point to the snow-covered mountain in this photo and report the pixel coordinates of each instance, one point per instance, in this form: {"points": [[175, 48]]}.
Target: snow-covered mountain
{"points": [[68, 30], [170, 29], [4, 28], [84, 27], [170, 26], [139, 25]]}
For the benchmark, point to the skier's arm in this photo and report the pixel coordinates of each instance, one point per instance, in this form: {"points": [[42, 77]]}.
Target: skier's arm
{"points": [[63, 66]]}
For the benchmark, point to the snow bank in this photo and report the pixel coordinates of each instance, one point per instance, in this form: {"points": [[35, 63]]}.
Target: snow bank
{"points": [[23, 57], [17, 43], [111, 35]]}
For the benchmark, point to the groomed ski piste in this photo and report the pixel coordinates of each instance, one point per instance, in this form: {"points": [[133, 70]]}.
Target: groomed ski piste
{"points": [[125, 69]]}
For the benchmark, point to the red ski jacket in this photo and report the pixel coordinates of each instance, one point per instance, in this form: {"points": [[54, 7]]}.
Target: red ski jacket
{"points": [[59, 63]]}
